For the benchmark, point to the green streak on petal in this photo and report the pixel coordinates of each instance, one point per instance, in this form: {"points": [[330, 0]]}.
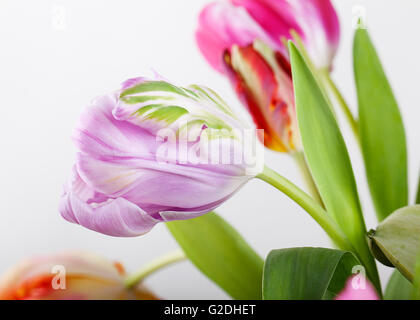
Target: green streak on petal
{"points": [[191, 92], [168, 114], [216, 99], [142, 99], [146, 109], [151, 86]]}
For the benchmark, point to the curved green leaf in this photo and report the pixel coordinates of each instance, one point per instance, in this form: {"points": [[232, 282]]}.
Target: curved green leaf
{"points": [[381, 130], [398, 288], [397, 240], [306, 273], [220, 252], [328, 159]]}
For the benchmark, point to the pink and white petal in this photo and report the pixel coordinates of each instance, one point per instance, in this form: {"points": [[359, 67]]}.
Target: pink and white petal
{"points": [[100, 135], [222, 25], [320, 29], [171, 215], [277, 18], [351, 292], [132, 82], [144, 182], [114, 217]]}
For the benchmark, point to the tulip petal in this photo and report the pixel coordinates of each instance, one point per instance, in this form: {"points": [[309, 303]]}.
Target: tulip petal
{"points": [[277, 18], [241, 22], [222, 25], [320, 29], [120, 159], [147, 181], [263, 82], [100, 135], [154, 105], [354, 291], [115, 217]]}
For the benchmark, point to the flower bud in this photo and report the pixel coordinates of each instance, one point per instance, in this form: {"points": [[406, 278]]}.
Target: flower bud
{"points": [[155, 152]]}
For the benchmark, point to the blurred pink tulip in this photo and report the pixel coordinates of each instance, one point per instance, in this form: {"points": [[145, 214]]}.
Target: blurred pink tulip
{"points": [[245, 40], [68, 276], [357, 291], [239, 22]]}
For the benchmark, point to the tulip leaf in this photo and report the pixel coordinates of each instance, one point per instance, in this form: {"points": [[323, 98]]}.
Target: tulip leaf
{"points": [[418, 194], [221, 253], [398, 288], [306, 273], [381, 130], [328, 159], [397, 240]]}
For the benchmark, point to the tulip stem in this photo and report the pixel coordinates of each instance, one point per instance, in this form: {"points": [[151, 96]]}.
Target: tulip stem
{"points": [[301, 162], [354, 124], [418, 194], [309, 205], [170, 258]]}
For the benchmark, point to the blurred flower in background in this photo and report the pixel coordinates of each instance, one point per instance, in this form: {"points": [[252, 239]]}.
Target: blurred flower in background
{"points": [[246, 40], [358, 291], [68, 276], [138, 163]]}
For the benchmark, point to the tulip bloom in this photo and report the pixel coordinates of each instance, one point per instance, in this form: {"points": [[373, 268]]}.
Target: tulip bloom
{"points": [[245, 40], [68, 276], [357, 292], [137, 164]]}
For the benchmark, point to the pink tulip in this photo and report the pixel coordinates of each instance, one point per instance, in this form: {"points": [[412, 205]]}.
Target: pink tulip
{"points": [[245, 40], [358, 291], [120, 187], [68, 276], [239, 22]]}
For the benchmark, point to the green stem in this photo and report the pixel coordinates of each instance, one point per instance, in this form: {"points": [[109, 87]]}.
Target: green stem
{"points": [[301, 162], [418, 194], [416, 282], [132, 280], [328, 87], [329, 83], [324, 220], [309, 205]]}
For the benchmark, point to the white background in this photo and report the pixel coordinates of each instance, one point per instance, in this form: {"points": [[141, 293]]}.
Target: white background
{"points": [[49, 72]]}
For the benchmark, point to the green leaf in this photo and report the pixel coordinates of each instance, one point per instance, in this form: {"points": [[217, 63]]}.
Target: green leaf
{"points": [[398, 288], [220, 252], [381, 130], [328, 160], [397, 239], [306, 273], [418, 194]]}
